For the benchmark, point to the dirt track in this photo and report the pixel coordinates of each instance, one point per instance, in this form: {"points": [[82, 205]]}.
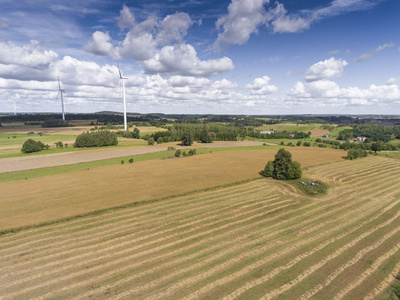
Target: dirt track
{"points": [[14, 164]]}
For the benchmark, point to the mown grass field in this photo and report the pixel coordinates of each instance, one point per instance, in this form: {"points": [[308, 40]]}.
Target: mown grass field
{"points": [[48, 198], [260, 239]]}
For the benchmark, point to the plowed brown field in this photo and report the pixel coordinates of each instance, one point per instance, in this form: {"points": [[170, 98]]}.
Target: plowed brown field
{"points": [[256, 240]]}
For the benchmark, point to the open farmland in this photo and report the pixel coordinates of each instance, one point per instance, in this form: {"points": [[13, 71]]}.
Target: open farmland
{"points": [[255, 240], [43, 199]]}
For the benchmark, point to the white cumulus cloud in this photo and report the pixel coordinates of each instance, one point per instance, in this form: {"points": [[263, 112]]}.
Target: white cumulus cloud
{"points": [[326, 69], [182, 59], [261, 86], [281, 21], [100, 44], [243, 18], [158, 46], [31, 56]]}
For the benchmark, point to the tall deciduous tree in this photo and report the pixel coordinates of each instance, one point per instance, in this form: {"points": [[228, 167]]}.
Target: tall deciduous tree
{"points": [[205, 136], [187, 137], [283, 167]]}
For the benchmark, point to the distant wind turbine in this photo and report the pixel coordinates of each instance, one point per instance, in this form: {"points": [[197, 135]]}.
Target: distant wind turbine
{"points": [[15, 108], [61, 92], [123, 96]]}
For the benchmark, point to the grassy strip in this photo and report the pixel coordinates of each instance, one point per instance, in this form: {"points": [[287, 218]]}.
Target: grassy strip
{"points": [[23, 175], [70, 148], [394, 292], [115, 208], [310, 187], [391, 154]]}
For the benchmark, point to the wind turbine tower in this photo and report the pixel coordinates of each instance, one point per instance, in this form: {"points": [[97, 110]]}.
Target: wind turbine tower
{"points": [[61, 92], [123, 96]]}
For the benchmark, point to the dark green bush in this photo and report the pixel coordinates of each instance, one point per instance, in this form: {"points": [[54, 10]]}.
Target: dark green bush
{"points": [[33, 146]]}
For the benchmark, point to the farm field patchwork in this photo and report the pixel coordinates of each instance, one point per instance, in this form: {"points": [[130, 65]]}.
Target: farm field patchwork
{"points": [[43, 199], [260, 239]]}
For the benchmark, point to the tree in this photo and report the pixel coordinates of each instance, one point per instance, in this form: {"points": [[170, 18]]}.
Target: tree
{"points": [[294, 170], [376, 147], [187, 137], [269, 169], [205, 136], [150, 141], [33, 146], [283, 167], [136, 133], [212, 136]]}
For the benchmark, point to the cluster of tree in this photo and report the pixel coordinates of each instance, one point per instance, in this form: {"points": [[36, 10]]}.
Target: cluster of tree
{"points": [[31, 145], [371, 132], [375, 146], [96, 139], [283, 167], [134, 134], [179, 153], [356, 153], [205, 133]]}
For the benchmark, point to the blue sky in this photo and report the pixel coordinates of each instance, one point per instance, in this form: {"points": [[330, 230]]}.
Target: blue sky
{"points": [[202, 56]]}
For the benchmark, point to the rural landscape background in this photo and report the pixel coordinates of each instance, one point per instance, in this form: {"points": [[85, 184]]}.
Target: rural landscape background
{"points": [[199, 149], [151, 218]]}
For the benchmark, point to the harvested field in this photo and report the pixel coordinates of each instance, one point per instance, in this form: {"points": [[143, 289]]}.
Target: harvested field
{"points": [[43, 199], [318, 132], [255, 240]]}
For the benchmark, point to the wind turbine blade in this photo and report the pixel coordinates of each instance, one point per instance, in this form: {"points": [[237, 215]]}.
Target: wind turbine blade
{"points": [[58, 94], [120, 74], [59, 85]]}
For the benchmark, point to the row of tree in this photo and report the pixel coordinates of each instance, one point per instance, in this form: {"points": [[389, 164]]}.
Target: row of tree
{"points": [[373, 133]]}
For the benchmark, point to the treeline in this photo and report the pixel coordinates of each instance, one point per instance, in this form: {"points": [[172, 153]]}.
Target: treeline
{"points": [[55, 123], [112, 118], [217, 132], [199, 132], [371, 132], [277, 134]]}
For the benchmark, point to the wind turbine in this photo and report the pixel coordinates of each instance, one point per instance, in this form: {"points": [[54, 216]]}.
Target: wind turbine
{"points": [[15, 109], [60, 92], [123, 96]]}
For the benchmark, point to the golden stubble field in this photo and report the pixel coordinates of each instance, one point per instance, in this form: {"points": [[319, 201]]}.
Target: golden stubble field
{"points": [[38, 200], [255, 240]]}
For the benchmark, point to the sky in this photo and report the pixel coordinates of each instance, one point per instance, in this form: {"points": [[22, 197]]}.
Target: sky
{"points": [[251, 57]]}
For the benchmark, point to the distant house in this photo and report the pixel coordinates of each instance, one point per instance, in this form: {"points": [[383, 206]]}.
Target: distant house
{"points": [[267, 132], [326, 135], [291, 135], [360, 139]]}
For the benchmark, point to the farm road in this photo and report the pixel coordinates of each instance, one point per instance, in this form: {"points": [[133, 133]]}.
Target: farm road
{"points": [[14, 164]]}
